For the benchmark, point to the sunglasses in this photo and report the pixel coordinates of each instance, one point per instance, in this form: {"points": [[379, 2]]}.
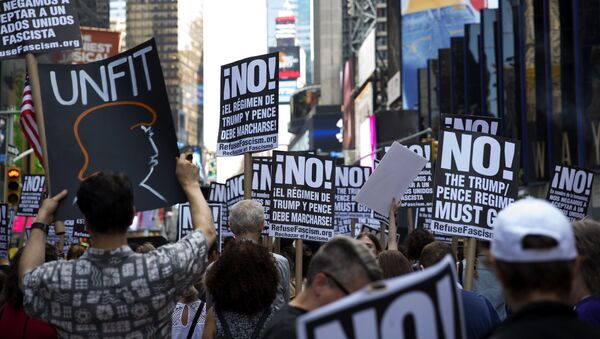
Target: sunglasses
{"points": [[336, 283]]}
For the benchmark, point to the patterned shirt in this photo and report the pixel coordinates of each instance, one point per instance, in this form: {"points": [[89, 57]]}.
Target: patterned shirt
{"points": [[115, 293]]}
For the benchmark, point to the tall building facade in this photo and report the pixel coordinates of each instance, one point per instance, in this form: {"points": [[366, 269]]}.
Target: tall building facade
{"points": [[328, 62], [177, 27], [93, 13], [118, 19]]}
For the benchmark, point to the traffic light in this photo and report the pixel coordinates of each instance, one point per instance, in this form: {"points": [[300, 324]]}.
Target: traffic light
{"points": [[13, 185]]}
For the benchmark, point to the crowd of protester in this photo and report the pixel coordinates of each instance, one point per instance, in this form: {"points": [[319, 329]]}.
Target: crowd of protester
{"points": [[538, 278]]}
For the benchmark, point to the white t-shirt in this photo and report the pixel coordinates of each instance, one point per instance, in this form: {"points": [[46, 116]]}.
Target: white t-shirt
{"points": [[179, 330]]}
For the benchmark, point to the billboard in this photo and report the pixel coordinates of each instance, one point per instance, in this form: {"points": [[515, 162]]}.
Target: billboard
{"points": [[289, 61], [366, 58], [98, 44]]}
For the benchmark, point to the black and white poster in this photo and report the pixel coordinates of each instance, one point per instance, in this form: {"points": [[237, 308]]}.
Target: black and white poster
{"points": [[420, 192], [249, 104], [471, 123], [570, 191], [111, 115], [32, 194], [78, 227], [37, 26], [184, 222], [423, 220], [261, 186], [420, 305], [302, 202], [5, 231], [348, 181], [475, 177], [218, 196], [235, 190]]}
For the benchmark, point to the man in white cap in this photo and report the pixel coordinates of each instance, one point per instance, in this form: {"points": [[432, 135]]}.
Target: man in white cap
{"points": [[534, 255]]}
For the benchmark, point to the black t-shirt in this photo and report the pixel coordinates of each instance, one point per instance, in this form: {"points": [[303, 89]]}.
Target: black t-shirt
{"points": [[283, 323], [545, 320]]}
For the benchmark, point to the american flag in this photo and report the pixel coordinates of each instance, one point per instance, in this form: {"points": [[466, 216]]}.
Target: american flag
{"points": [[28, 123]]}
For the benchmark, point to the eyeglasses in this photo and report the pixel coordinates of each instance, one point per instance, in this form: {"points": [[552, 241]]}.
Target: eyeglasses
{"points": [[336, 283]]}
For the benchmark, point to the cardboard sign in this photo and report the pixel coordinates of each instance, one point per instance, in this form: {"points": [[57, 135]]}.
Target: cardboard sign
{"points": [[348, 181], [302, 202], [111, 115], [32, 194], [471, 123], [249, 99], [5, 231], [421, 305], [570, 191], [29, 26], [395, 173], [261, 186], [184, 222], [475, 177], [218, 196], [420, 191]]}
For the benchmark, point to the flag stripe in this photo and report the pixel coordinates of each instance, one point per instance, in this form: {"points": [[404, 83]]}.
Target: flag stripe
{"points": [[28, 122]]}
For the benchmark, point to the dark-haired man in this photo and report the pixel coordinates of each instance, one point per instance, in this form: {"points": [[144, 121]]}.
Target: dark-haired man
{"points": [[340, 267], [534, 255], [110, 291]]}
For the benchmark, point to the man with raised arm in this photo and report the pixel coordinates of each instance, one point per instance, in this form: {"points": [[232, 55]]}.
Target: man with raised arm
{"points": [[110, 291]]}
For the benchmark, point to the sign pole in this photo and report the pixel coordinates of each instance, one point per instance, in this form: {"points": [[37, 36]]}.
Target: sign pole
{"points": [[470, 273], [409, 220], [353, 228], [299, 252], [455, 246], [382, 234], [247, 175]]}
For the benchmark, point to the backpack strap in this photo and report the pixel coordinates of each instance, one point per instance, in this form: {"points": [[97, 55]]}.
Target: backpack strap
{"points": [[195, 321]]}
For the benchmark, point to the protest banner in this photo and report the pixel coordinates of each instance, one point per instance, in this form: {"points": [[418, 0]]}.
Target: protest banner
{"points": [[261, 186], [32, 192], [471, 123], [184, 222], [302, 201], [391, 178], [420, 191], [218, 196], [249, 103], [570, 191], [420, 305], [124, 97], [5, 231], [37, 27], [475, 177], [348, 181]]}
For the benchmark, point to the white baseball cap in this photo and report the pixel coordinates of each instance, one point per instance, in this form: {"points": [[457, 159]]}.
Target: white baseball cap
{"points": [[532, 216]]}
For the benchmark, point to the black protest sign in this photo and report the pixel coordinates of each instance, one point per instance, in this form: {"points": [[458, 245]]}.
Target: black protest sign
{"points": [[249, 99], [184, 222], [235, 190], [37, 26], [218, 196], [348, 181], [302, 202], [32, 191], [79, 228], [420, 192], [475, 177], [471, 123], [570, 191], [111, 115], [423, 220], [421, 305], [261, 186], [5, 231]]}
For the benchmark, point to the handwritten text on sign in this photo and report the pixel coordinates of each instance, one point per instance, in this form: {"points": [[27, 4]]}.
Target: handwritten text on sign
{"points": [[475, 178]]}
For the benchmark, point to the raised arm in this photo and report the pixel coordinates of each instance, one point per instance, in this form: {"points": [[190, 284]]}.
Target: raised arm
{"points": [[187, 174], [35, 252], [392, 244]]}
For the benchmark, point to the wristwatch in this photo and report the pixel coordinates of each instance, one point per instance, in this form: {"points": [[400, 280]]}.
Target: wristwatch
{"points": [[40, 226]]}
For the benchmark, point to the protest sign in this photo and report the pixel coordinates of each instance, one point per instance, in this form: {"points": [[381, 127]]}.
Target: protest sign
{"points": [[395, 173], [348, 181], [420, 191], [30, 26], [423, 220], [249, 104], [261, 186], [570, 191], [123, 97], [184, 222], [5, 231], [302, 202], [218, 196], [471, 123], [79, 228], [32, 191], [475, 177], [235, 190], [421, 305]]}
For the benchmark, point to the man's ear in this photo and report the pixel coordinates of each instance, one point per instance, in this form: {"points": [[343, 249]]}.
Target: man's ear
{"points": [[319, 282]]}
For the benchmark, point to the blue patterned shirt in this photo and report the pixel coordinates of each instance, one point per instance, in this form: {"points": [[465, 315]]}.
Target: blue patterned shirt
{"points": [[115, 293]]}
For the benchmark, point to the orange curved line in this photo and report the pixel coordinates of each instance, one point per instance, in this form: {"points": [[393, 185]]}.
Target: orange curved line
{"points": [[91, 110]]}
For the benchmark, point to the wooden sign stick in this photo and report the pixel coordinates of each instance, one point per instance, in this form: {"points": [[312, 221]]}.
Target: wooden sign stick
{"points": [[299, 252], [470, 272]]}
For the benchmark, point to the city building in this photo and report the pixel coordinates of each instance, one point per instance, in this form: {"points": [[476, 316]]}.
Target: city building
{"points": [[118, 19], [177, 27], [93, 13]]}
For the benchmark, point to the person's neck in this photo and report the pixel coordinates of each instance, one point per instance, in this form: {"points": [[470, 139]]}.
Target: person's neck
{"points": [[108, 241], [306, 300], [250, 236], [533, 297]]}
